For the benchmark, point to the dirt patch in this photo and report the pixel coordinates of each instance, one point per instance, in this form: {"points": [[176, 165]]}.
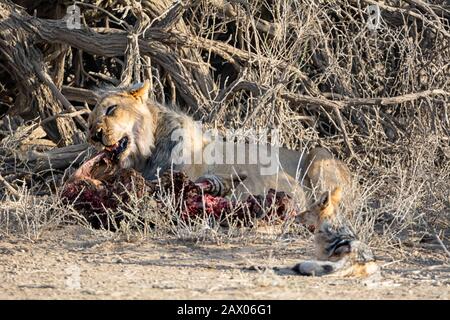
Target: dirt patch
{"points": [[75, 263]]}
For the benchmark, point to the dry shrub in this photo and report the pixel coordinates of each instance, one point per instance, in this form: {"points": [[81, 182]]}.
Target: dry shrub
{"points": [[312, 69]]}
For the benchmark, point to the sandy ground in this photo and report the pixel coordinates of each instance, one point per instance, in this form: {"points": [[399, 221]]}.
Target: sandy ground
{"points": [[75, 263]]}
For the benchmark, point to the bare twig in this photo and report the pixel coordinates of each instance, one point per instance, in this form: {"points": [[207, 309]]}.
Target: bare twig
{"points": [[65, 115], [10, 188], [442, 244], [66, 104]]}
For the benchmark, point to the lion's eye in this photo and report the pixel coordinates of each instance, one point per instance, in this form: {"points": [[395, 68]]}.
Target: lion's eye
{"points": [[110, 110]]}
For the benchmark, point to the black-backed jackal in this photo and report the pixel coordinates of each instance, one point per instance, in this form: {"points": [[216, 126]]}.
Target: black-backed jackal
{"points": [[337, 250]]}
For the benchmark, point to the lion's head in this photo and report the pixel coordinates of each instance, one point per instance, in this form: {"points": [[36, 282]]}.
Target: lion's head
{"points": [[121, 124]]}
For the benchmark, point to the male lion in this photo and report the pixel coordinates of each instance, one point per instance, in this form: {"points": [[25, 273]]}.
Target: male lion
{"points": [[140, 134]]}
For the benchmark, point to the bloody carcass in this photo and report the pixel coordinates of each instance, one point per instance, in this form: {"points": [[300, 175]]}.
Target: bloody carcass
{"points": [[99, 188]]}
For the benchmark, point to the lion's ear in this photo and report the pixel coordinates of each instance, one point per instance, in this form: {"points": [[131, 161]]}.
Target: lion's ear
{"points": [[140, 90]]}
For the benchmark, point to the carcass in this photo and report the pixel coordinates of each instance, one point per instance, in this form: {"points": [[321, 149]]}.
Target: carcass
{"points": [[98, 188]]}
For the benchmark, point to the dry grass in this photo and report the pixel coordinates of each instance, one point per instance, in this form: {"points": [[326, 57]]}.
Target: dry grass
{"points": [[398, 152], [396, 206]]}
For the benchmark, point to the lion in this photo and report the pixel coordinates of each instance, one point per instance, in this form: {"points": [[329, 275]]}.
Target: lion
{"points": [[143, 134]]}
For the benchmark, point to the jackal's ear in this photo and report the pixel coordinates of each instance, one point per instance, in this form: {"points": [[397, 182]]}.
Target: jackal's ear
{"points": [[336, 195], [140, 90], [324, 200]]}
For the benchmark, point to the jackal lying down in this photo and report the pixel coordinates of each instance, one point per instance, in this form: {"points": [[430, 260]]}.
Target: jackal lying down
{"points": [[337, 249]]}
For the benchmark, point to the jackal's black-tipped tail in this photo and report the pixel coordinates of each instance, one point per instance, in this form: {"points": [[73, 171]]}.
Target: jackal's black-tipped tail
{"points": [[317, 268]]}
